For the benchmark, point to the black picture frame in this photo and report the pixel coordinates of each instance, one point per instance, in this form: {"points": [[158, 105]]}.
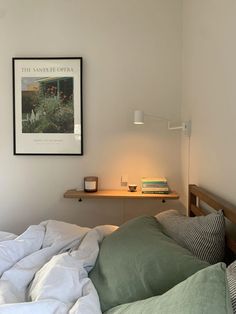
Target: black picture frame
{"points": [[47, 106]]}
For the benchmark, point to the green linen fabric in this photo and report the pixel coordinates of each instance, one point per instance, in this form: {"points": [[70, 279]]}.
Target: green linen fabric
{"points": [[205, 292], [138, 261]]}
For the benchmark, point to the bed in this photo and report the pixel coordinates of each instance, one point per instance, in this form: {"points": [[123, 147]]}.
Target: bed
{"points": [[164, 264]]}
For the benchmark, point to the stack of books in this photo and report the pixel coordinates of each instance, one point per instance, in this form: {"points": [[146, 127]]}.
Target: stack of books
{"points": [[154, 186]]}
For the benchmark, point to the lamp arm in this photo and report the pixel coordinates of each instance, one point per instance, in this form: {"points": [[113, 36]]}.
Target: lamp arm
{"points": [[165, 119], [185, 126], [156, 117], [182, 127]]}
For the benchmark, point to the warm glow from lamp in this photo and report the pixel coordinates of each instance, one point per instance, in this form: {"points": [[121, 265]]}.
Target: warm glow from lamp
{"points": [[138, 117]]}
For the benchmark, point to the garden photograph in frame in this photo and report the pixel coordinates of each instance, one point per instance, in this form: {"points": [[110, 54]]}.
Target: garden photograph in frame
{"points": [[47, 106]]}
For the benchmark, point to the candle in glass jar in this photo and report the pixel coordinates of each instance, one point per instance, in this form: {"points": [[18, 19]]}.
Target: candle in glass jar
{"points": [[91, 184]]}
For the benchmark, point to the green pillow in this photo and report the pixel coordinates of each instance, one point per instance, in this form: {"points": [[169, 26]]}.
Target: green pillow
{"points": [[204, 292], [139, 261]]}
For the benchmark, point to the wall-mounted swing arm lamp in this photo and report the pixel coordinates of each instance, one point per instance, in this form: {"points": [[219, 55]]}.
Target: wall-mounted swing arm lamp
{"points": [[185, 126]]}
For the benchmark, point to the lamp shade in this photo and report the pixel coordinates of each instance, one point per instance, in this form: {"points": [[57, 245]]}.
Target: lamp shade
{"points": [[138, 117]]}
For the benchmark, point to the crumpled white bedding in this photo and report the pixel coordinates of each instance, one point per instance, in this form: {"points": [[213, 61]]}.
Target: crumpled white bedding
{"points": [[45, 269]]}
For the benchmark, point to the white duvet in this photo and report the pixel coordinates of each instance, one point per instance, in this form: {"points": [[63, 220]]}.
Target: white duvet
{"points": [[45, 269]]}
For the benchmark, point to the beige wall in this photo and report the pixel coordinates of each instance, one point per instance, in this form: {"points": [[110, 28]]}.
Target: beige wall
{"points": [[132, 59], [209, 93]]}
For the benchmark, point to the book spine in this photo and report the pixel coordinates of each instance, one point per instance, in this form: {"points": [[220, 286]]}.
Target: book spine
{"points": [[154, 181], [161, 180], [154, 185], [155, 192]]}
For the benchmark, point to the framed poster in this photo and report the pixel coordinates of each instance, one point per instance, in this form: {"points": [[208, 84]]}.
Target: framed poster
{"points": [[47, 98]]}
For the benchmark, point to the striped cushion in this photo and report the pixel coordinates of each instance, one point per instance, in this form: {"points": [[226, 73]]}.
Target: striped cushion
{"points": [[204, 236], [231, 277]]}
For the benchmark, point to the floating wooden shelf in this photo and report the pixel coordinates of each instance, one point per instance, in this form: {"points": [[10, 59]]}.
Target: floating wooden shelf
{"points": [[119, 194]]}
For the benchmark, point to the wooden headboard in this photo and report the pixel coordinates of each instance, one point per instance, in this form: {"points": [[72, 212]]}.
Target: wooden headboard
{"points": [[198, 195]]}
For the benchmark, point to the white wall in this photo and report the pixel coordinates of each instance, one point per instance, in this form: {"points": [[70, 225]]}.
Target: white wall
{"points": [[209, 93], [132, 59]]}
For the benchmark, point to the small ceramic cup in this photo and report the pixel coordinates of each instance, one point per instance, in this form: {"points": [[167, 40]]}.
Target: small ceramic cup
{"points": [[132, 187]]}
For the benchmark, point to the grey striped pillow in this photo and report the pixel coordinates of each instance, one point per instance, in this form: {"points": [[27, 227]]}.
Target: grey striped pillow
{"points": [[204, 236], [231, 277]]}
